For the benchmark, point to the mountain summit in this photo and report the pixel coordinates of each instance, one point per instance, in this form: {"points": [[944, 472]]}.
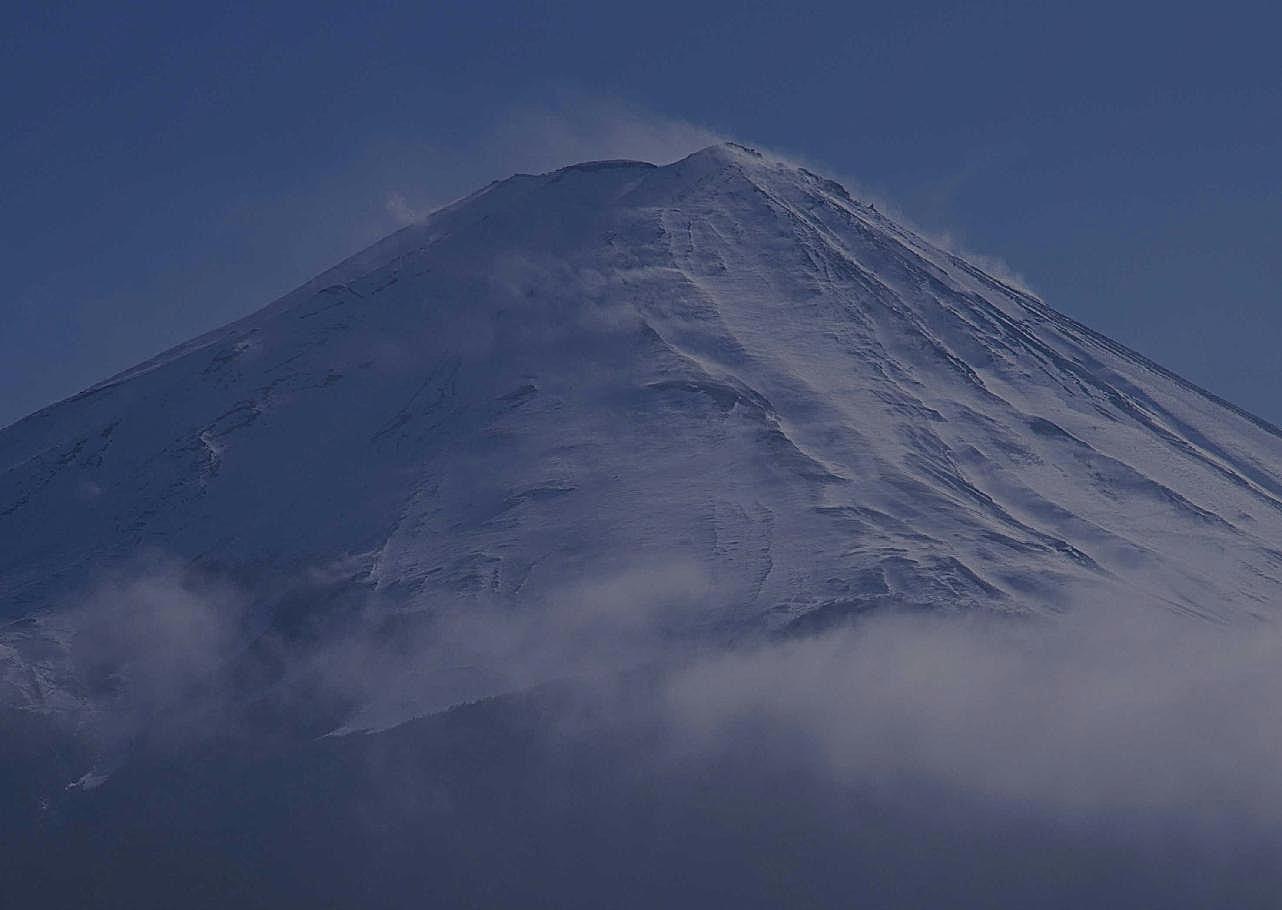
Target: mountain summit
{"points": [[723, 386]]}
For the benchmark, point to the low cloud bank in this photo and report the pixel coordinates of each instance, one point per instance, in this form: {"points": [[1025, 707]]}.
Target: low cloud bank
{"points": [[1101, 713], [1110, 753], [589, 629], [149, 647]]}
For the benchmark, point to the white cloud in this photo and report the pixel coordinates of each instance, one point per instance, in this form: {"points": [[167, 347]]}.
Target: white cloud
{"points": [[400, 210], [567, 127], [1100, 714]]}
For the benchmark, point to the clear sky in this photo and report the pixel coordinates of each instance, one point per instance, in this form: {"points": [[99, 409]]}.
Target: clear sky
{"points": [[168, 167]]}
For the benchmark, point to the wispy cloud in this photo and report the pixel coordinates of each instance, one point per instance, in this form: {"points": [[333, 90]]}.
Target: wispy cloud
{"points": [[1101, 714], [400, 211], [1104, 729], [936, 208], [565, 127]]}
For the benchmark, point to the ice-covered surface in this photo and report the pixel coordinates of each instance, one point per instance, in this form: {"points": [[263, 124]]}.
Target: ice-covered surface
{"points": [[726, 365]]}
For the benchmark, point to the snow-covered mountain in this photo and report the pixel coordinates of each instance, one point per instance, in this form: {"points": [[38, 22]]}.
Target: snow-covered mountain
{"points": [[723, 384]]}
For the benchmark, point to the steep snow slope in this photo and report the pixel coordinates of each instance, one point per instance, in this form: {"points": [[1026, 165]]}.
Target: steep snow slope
{"points": [[722, 386]]}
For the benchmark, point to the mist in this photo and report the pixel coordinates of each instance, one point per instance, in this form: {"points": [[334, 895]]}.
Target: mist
{"points": [[1098, 714], [1109, 753], [1100, 711]]}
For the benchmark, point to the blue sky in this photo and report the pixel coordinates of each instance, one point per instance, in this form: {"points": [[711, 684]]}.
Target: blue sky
{"points": [[173, 166]]}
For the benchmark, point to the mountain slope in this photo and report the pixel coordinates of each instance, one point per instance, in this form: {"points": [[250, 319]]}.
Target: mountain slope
{"points": [[721, 392]]}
